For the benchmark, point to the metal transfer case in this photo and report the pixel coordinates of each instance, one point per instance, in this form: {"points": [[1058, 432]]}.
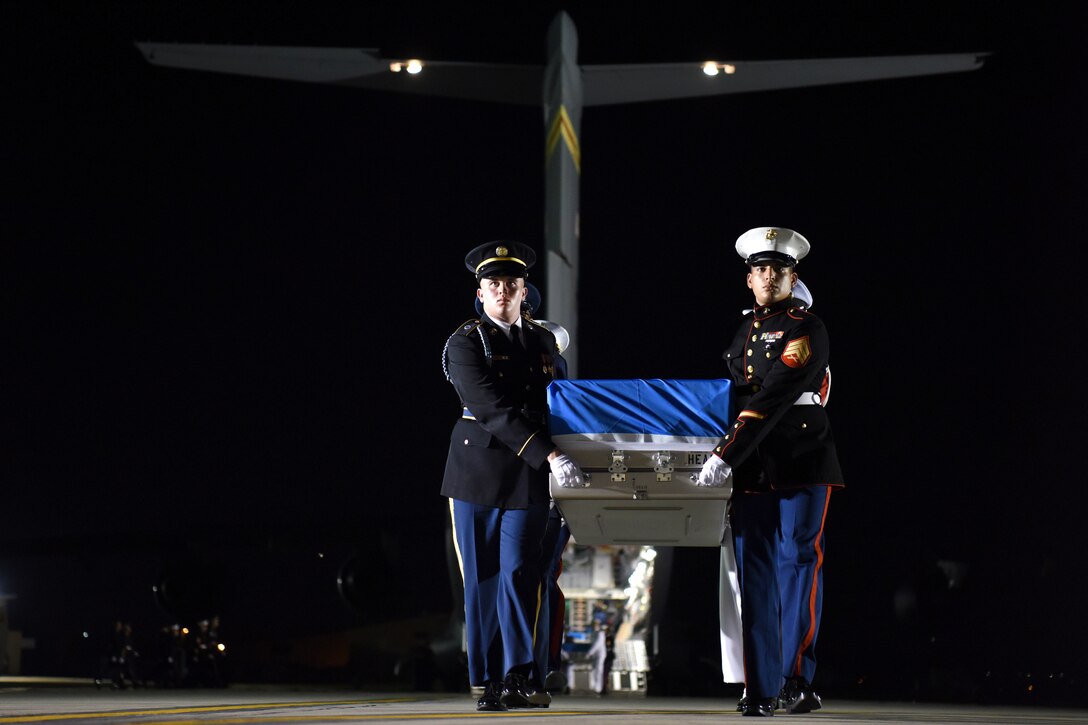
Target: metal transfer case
{"points": [[641, 442]]}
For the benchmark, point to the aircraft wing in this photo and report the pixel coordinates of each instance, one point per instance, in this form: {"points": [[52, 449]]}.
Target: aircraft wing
{"points": [[357, 68], [520, 84], [630, 83]]}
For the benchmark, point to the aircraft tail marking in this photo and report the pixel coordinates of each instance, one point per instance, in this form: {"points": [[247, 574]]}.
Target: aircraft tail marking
{"points": [[562, 127]]}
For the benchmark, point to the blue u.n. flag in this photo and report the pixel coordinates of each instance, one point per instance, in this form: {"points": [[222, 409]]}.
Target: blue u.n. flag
{"points": [[680, 415]]}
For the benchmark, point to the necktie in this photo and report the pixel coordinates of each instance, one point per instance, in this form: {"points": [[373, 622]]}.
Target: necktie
{"points": [[515, 339]]}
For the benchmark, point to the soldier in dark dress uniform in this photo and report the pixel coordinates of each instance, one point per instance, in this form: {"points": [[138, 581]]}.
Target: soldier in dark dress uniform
{"points": [[781, 454], [497, 477]]}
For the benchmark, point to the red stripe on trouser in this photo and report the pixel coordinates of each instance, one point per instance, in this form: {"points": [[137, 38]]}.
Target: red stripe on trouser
{"points": [[811, 633]]}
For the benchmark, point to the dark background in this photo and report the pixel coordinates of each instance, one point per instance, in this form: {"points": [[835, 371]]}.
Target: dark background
{"points": [[225, 300]]}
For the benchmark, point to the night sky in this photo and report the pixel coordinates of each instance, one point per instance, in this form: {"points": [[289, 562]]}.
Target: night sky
{"points": [[225, 298]]}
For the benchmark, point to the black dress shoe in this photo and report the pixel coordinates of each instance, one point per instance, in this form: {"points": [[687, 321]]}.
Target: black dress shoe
{"points": [[798, 697], [776, 702], [556, 681], [757, 707], [517, 692], [491, 700]]}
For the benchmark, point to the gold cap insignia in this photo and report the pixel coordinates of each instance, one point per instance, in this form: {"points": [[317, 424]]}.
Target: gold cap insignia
{"points": [[771, 234], [501, 251]]}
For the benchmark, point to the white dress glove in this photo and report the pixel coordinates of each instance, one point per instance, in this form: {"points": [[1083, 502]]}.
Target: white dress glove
{"points": [[715, 472], [567, 473]]}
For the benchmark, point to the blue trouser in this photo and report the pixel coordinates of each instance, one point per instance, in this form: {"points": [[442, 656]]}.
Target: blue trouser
{"points": [[779, 540], [500, 558]]}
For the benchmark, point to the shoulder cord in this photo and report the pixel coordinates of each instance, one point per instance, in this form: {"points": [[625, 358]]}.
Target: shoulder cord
{"points": [[446, 348], [487, 345]]}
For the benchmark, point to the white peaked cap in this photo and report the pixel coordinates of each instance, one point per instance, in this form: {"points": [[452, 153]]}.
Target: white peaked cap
{"points": [[772, 244], [802, 294]]}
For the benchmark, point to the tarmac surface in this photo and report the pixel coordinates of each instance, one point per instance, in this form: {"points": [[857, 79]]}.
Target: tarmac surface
{"points": [[71, 703]]}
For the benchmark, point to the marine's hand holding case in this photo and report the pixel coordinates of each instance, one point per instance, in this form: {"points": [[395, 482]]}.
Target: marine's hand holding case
{"points": [[641, 441]]}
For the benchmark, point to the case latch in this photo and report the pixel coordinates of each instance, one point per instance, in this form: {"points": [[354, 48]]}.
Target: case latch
{"points": [[618, 469], [663, 465]]}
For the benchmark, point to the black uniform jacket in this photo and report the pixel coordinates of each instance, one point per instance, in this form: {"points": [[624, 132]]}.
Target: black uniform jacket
{"points": [[499, 448], [779, 352]]}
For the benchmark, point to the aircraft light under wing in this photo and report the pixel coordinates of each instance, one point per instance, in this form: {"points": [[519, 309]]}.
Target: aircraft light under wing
{"points": [[563, 87]]}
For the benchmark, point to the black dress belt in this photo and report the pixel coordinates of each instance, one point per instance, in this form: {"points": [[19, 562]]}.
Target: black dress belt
{"points": [[534, 416]]}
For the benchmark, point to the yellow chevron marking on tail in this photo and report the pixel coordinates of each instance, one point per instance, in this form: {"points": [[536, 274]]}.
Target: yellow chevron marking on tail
{"points": [[562, 126]]}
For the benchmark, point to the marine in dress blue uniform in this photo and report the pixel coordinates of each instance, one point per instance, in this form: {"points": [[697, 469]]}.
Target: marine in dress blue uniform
{"points": [[781, 454], [496, 477]]}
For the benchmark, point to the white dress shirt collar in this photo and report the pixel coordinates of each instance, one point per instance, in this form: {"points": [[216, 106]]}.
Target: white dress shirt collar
{"points": [[505, 326]]}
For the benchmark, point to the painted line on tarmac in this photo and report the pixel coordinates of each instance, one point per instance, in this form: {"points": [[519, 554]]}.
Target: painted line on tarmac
{"points": [[251, 707]]}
